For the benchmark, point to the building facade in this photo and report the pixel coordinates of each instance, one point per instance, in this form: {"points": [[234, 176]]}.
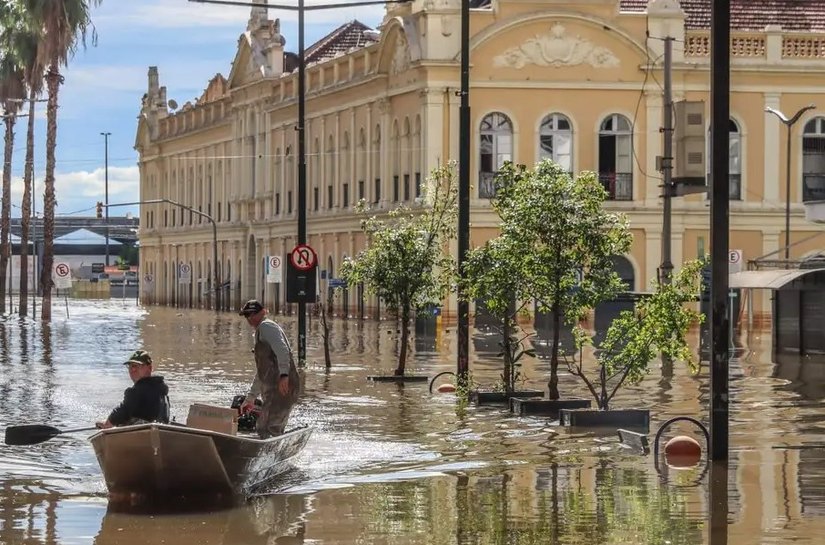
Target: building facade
{"points": [[578, 81]]}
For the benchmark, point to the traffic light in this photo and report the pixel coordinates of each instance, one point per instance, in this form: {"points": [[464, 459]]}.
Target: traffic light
{"points": [[99, 209]]}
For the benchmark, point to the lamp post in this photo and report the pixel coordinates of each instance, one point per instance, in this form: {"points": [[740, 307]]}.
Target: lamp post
{"points": [[789, 123], [106, 136], [215, 280], [300, 125], [463, 363]]}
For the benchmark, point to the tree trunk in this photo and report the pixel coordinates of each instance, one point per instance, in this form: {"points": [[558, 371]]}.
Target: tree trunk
{"points": [[5, 223], [28, 180], [325, 327], [405, 340], [553, 385], [509, 378], [53, 83]]}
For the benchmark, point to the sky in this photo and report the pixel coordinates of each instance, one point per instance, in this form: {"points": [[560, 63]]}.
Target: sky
{"points": [[189, 43]]}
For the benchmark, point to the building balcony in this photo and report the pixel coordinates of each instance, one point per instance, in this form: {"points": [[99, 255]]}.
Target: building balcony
{"points": [[619, 185], [813, 197]]}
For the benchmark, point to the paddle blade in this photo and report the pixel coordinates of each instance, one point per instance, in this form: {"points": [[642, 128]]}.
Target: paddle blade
{"points": [[30, 435]]}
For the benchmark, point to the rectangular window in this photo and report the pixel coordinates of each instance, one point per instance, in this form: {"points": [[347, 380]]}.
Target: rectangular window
{"points": [[315, 198], [346, 196], [228, 211], [406, 187], [377, 190], [360, 189], [329, 197], [220, 209], [395, 188], [277, 203], [289, 202], [417, 184]]}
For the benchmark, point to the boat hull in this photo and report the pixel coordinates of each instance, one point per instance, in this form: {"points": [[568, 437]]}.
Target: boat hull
{"points": [[175, 461]]}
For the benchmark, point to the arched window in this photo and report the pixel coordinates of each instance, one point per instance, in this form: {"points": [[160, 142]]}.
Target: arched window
{"points": [[330, 171], [376, 165], [418, 144], [734, 160], [616, 157], [395, 161], [813, 160], [495, 149], [361, 165], [346, 171], [556, 141]]}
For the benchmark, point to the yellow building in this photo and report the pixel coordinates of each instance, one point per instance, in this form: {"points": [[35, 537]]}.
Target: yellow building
{"points": [[575, 80]]}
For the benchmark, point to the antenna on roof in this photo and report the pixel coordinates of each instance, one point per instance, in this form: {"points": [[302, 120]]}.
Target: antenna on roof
{"points": [[173, 104]]}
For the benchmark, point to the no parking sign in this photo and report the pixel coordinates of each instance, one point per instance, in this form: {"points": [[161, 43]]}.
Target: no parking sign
{"points": [[62, 276]]}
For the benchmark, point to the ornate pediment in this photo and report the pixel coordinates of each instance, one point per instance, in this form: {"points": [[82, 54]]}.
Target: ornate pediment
{"points": [[556, 48]]}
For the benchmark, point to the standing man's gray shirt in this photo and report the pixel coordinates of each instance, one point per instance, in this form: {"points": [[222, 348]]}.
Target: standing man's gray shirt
{"points": [[271, 333]]}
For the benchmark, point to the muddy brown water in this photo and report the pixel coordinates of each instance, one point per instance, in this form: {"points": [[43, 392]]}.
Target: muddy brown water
{"points": [[395, 464]]}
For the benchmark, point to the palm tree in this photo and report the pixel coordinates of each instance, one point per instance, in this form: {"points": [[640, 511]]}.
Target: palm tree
{"points": [[12, 93], [26, 42], [63, 25]]}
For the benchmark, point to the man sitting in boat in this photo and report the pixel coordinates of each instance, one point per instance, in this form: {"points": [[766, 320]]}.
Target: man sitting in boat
{"points": [[276, 378], [146, 401]]}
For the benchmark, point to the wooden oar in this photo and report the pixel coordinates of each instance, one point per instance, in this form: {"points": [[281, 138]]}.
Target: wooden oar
{"points": [[35, 433]]}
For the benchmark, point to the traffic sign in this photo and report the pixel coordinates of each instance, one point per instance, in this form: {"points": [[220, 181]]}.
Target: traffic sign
{"points": [[184, 273], [303, 258], [274, 269], [734, 261], [337, 283], [62, 276]]}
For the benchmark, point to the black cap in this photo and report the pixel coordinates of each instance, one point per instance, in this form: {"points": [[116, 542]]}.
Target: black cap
{"points": [[251, 307]]}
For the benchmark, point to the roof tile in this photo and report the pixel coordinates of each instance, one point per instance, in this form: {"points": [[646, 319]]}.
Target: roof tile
{"points": [[791, 15]]}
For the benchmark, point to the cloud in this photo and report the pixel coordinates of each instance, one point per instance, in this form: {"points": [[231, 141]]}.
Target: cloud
{"points": [[179, 14], [78, 191]]}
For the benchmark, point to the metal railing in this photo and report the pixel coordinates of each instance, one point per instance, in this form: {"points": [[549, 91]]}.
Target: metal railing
{"points": [[619, 185]]}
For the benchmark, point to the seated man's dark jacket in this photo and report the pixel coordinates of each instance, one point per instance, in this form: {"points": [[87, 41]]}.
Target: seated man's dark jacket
{"points": [[146, 400]]}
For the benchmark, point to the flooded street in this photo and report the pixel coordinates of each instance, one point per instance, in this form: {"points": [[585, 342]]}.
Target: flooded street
{"points": [[396, 464]]}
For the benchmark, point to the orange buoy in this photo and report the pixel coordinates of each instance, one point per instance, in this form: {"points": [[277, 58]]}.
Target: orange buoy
{"points": [[683, 451], [446, 388]]}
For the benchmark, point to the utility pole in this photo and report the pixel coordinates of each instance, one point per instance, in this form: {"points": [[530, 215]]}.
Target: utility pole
{"points": [[302, 176], [719, 228], [106, 185], [666, 268], [463, 364]]}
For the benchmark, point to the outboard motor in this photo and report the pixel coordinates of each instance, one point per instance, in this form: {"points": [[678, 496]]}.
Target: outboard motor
{"points": [[248, 418]]}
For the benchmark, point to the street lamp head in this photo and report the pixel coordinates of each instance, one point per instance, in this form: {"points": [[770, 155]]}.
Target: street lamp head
{"points": [[778, 114]]}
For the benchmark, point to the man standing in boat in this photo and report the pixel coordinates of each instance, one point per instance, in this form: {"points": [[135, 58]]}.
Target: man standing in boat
{"points": [[146, 401], [276, 378]]}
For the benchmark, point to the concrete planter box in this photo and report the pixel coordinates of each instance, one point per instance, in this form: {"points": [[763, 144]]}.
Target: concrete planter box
{"points": [[481, 397], [594, 418], [545, 407], [398, 378]]}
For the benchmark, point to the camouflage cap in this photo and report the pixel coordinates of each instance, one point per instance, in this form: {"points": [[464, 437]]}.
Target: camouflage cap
{"points": [[251, 307], [140, 356]]}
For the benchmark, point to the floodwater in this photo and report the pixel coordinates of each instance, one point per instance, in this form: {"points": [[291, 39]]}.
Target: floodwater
{"points": [[396, 464]]}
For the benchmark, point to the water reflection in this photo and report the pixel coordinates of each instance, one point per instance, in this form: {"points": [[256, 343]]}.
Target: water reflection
{"points": [[393, 464]]}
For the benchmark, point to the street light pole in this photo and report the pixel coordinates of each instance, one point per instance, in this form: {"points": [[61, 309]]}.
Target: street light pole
{"points": [[215, 281], [463, 364], [106, 136], [789, 123]]}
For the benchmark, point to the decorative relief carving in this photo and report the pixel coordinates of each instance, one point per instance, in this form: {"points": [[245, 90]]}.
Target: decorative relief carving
{"points": [[557, 48], [401, 59]]}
